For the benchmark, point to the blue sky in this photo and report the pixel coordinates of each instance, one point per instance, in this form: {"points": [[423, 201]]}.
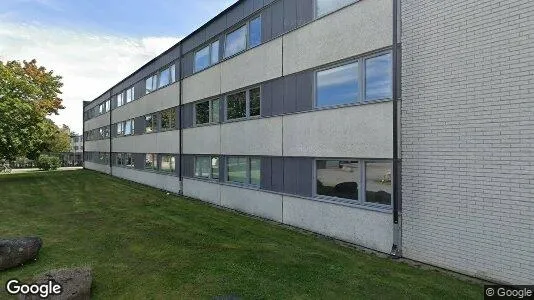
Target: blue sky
{"points": [[93, 44]]}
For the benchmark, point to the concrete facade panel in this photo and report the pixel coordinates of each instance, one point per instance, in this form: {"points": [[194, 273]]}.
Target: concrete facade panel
{"points": [[203, 190], [161, 99], [160, 181], [97, 167], [259, 64], [159, 142], [368, 228], [363, 131], [356, 29], [254, 137], [202, 140], [202, 85], [97, 122], [265, 205], [97, 146]]}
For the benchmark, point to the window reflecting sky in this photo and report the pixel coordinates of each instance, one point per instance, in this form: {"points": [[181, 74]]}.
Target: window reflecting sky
{"points": [[255, 32], [338, 85], [236, 41], [378, 77], [202, 59]]}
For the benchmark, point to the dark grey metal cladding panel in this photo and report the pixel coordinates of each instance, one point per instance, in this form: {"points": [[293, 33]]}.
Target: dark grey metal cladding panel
{"points": [[216, 27], [139, 125], [277, 174], [265, 173], [139, 160], [305, 176], [266, 99], [113, 158], [194, 41], [290, 15], [113, 130], [177, 113], [290, 94], [277, 19], [235, 15], [258, 4], [222, 168], [187, 64], [188, 162], [277, 99], [304, 11], [267, 2], [140, 89], [266, 25], [290, 175], [97, 101], [304, 97], [187, 115], [221, 110], [248, 7], [177, 164]]}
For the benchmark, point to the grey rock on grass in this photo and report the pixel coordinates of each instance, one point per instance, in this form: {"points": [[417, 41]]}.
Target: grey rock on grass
{"points": [[15, 252], [75, 284]]}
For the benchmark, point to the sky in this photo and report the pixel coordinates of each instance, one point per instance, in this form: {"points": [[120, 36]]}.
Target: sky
{"points": [[93, 44]]}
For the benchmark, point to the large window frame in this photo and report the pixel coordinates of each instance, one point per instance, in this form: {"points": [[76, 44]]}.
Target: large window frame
{"points": [[246, 26], [168, 119], [122, 126], [213, 172], [247, 104], [248, 178], [129, 95], [153, 123], [213, 112], [171, 160], [361, 81], [362, 184]]}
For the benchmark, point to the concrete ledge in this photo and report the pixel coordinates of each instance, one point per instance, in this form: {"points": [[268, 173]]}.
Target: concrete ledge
{"points": [[202, 85], [159, 142], [97, 122], [371, 229], [202, 140], [98, 146], [97, 167], [253, 137], [265, 205], [203, 190], [160, 181]]}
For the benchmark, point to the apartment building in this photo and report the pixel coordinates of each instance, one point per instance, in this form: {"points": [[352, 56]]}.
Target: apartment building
{"points": [[291, 110]]}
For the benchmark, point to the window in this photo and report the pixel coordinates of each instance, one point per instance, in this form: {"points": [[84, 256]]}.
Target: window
{"points": [[101, 109], [338, 178], [236, 42], [173, 73], [242, 169], [151, 161], [164, 77], [378, 77], [203, 166], [120, 99], [323, 7], [356, 181], [215, 167], [150, 123], [168, 119], [339, 85], [119, 161], [130, 94], [243, 104], [214, 52], [202, 59], [120, 129], [378, 182], [107, 106], [128, 127], [207, 112], [254, 33], [167, 163], [128, 160], [151, 83]]}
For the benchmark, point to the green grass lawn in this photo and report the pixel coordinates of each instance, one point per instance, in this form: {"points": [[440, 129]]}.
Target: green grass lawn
{"points": [[144, 244]]}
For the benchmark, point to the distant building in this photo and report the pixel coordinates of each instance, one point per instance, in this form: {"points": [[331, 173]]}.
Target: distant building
{"points": [[74, 157]]}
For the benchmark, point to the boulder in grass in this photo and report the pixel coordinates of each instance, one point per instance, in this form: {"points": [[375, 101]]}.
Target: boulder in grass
{"points": [[15, 252], [75, 284]]}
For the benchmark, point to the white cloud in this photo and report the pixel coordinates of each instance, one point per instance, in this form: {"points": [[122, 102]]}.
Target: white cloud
{"points": [[90, 63]]}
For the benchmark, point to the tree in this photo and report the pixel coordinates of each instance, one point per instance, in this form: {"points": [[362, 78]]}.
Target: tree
{"points": [[28, 94]]}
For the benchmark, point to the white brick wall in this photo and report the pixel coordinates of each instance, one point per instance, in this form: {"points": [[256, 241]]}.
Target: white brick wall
{"points": [[468, 136]]}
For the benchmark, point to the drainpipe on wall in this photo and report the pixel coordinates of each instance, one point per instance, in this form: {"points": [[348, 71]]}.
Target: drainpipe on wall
{"points": [[396, 249], [110, 142], [180, 115]]}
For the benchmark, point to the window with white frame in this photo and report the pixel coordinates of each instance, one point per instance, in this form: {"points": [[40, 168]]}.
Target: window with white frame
{"points": [[245, 37], [120, 99], [243, 104], [366, 79], [151, 161], [151, 83], [244, 170], [207, 112], [151, 123], [125, 127], [254, 32], [357, 181], [206, 56], [207, 167], [166, 76]]}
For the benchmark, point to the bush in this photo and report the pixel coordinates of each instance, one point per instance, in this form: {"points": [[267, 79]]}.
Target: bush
{"points": [[46, 162]]}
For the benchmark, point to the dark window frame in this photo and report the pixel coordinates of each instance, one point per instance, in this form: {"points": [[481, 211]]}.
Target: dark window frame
{"points": [[247, 107]]}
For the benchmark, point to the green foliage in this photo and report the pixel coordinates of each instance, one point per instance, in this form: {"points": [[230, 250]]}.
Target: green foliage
{"points": [[28, 94], [48, 162]]}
